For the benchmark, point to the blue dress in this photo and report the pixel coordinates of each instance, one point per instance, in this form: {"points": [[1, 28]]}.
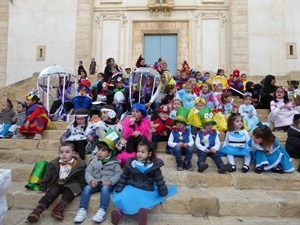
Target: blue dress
{"points": [[235, 144], [250, 122], [277, 156], [131, 199]]}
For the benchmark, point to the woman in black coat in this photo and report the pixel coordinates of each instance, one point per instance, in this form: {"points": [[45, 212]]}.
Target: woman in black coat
{"points": [[267, 91]]}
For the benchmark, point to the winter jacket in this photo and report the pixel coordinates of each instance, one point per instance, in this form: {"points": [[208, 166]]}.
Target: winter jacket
{"points": [[292, 145], [145, 181], [97, 171], [74, 181]]}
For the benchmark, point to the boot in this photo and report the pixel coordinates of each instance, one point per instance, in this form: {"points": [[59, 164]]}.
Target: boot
{"points": [[58, 211], [142, 216], [35, 215]]}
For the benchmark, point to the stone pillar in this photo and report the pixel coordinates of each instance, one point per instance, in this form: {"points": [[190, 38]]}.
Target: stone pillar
{"points": [[84, 33], [238, 53], [4, 8]]}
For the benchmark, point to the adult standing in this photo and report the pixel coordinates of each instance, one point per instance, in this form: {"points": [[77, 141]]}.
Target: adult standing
{"points": [[92, 68], [107, 71]]}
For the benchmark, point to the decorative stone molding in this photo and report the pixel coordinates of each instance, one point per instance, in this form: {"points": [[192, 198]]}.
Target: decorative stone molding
{"points": [[218, 15], [165, 7], [111, 16]]}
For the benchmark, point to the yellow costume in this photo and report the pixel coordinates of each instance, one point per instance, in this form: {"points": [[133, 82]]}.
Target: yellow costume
{"points": [[222, 80], [194, 117], [221, 121]]}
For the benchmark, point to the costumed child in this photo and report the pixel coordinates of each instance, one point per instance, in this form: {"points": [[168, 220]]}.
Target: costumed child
{"points": [[176, 104], [148, 89], [185, 68], [18, 119], [143, 181], [64, 175], [187, 96], [127, 74], [208, 95], [193, 83], [122, 153], [140, 62], [102, 173], [6, 115], [37, 118], [83, 98], [170, 92], [236, 83], [244, 80], [227, 106], [221, 78], [268, 152], [162, 126], [181, 141], [194, 117], [119, 96], [248, 112], [218, 94], [282, 112], [208, 143], [79, 132], [198, 77], [292, 144], [182, 81], [136, 127], [235, 142]]}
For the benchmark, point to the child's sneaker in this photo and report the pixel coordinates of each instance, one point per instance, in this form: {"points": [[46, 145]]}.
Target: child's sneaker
{"points": [[100, 216], [19, 136], [142, 216], [34, 216], [116, 216], [80, 216], [37, 137]]}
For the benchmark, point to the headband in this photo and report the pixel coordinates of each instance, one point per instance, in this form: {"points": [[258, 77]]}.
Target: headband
{"points": [[111, 113], [262, 126], [82, 115]]}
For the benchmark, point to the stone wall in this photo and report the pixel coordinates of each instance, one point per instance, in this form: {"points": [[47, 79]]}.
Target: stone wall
{"points": [[4, 5]]}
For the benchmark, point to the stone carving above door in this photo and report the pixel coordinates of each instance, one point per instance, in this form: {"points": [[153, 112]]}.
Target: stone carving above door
{"points": [[161, 7]]}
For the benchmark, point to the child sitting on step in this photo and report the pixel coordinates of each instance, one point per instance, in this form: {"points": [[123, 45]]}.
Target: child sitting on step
{"points": [[64, 175], [18, 119], [208, 143], [292, 144], [6, 115], [269, 154], [102, 173]]}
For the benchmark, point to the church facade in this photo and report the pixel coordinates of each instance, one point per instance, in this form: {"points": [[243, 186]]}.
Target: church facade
{"points": [[256, 37]]}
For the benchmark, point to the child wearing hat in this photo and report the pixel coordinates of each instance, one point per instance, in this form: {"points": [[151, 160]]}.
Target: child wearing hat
{"points": [[102, 173], [194, 118], [136, 127], [181, 141], [36, 118], [208, 143], [162, 125], [64, 175], [292, 145], [83, 99]]}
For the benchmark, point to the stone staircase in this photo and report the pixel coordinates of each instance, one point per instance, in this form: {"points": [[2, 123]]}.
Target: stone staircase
{"points": [[203, 198]]}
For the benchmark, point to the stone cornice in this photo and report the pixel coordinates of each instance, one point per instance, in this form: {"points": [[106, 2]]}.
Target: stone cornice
{"points": [[176, 8]]}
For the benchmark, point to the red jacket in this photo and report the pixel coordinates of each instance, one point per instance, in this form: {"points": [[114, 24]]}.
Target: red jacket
{"points": [[161, 128]]}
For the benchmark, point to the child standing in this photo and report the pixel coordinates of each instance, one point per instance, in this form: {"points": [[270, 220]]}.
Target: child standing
{"points": [[18, 119], [79, 132], [292, 144], [235, 142], [248, 112], [269, 154], [102, 173], [282, 112], [6, 115], [181, 141], [64, 175], [208, 143], [142, 178], [136, 127], [36, 118]]}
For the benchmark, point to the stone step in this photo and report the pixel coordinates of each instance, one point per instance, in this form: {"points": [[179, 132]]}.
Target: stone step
{"points": [[209, 178], [195, 201], [18, 217]]}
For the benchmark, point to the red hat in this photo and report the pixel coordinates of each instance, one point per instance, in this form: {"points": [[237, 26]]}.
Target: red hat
{"points": [[164, 108], [85, 82], [236, 73]]}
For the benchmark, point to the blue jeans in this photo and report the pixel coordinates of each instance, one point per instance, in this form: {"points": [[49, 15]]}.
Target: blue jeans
{"points": [[104, 196], [215, 156], [177, 151]]}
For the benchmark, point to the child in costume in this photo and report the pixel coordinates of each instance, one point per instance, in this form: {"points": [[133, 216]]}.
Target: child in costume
{"points": [[227, 106], [136, 127], [143, 179], [208, 143], [37, 118], [148, 89], [194, 117], [6, 115], [248, 112], [83, 98], [193, 83], [182, 81], [162, 125], [122, 153], [176, 104], [221, 78], [102, 173], [18, 119], [79, 132], [127, 74], [282, 112], [187, 96], [235, 142], [292, 144], [64, 175], [244, 80], [181, 141], [170, 92], [236, 83], [268, 152], [208, 95], [185, 68], [218, 94]]}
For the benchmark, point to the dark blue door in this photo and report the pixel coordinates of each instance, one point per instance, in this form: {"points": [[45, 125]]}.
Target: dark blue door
{"points": [[162, 45]]}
